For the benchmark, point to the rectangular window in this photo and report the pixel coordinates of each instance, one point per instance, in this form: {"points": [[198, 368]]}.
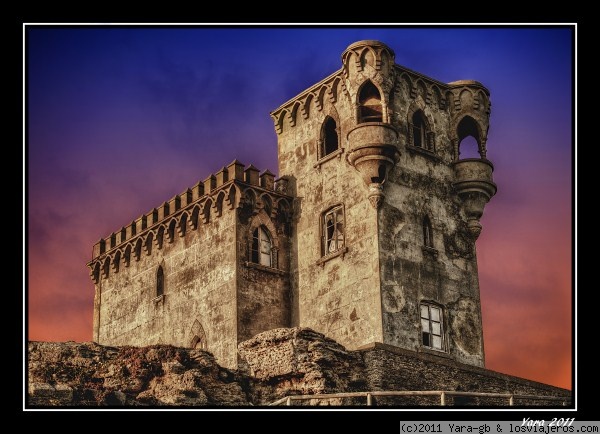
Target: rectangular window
{"points": [[431, 327], [333, 230]]}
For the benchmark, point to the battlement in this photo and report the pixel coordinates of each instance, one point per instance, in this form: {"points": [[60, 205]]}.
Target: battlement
{"points": [[233, 185], [456, 96]]}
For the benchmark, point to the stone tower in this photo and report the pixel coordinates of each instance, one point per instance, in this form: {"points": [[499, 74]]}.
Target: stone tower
{"points": [[367, 236], [386, 213], [207, 269]]}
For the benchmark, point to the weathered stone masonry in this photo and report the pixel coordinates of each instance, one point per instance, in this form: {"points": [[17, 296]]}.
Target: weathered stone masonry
{"points": [[412, 207], [367, 236], [199, 240]]}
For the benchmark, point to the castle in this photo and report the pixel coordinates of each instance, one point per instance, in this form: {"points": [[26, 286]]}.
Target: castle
{"points": [[368, 235]]}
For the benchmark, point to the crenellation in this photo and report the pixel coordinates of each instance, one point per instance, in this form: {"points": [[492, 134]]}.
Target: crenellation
{"points": [[175, 203], [152, 216], [122, 235], [164, 211], [235, 170], [210, 183], [173, 218], [222, 176], [251, 175], [197, 191], [267, 180], [186, 197]]}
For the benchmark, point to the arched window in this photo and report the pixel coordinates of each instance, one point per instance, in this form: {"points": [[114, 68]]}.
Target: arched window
{"points": [[469, 140], [369, 101], [419, 131], [160, 281], [427, 232], [469, 148], [261, 251], [329, 137], [432, 330], [332, 231]]}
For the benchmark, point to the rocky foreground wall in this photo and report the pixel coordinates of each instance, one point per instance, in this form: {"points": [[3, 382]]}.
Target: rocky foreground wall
{"points": [[276, 363]]}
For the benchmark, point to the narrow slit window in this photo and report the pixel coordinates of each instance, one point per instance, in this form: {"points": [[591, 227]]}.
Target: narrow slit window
{"points": [[160, 281], [427, 232]]}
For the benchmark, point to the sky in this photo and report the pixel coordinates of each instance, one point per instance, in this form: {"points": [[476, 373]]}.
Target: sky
{"points": [[122, 119]]}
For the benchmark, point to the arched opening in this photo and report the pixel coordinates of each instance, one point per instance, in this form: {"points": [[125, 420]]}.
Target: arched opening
{"points": [[160, 235], [106, 267], [262, 246], [206, 211], [127, 255], [195, 214], [370, 109], [96, 272], [329, 137], [267, 204], [198, 340], [219, 204], [137, 252], [160, 281], [427, 232], [148, 243], [419, 130], [469, 140], [468, 148], [182, 225], [116, 261], [198, 343], [171, 231]]}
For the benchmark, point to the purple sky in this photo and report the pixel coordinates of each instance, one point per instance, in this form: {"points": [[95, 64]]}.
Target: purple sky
{"points": [[122, 119]]}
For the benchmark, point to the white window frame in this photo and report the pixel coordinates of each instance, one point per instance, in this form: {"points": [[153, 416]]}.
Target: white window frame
{"points": [[432, 326]]}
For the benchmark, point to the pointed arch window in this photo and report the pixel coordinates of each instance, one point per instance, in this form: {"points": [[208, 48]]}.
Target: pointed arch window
{"points": [[261, 251], [160, 281], [472, 146], [370, 108], [419, 135], [329, 142]]}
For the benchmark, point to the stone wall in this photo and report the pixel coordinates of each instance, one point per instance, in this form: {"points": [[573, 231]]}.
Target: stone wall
{"points": [[263, 293], [278, 363], [199, 294], [213, 295], [338, 296], [372, 292], [421, 186], [392, 368]]}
